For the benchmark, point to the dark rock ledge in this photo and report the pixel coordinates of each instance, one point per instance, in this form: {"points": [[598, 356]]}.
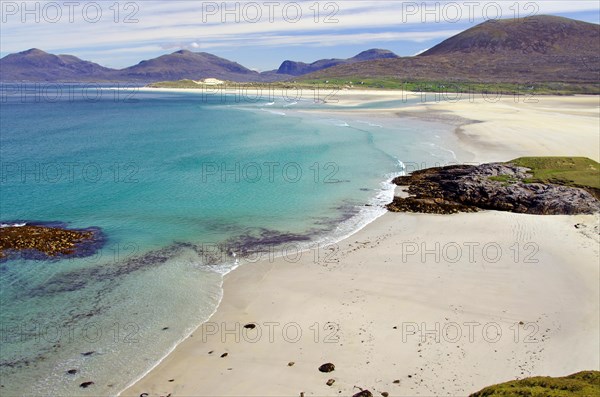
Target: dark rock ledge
{"points": [[494, 186], [48, 241]]}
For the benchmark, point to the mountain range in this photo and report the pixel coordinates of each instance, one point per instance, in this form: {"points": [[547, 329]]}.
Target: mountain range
{"points": [[534, 49], [36, 65], [539, 48], [300, 68]]}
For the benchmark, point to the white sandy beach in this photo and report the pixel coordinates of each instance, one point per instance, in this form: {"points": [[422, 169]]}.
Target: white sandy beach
{"points": [[514, 127], [416, 304]]}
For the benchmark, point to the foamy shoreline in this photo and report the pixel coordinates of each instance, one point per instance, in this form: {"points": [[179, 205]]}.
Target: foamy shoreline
{"points": [[371, 285]]}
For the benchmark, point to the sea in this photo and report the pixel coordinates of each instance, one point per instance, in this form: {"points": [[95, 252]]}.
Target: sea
{"points": [[183, 187]]}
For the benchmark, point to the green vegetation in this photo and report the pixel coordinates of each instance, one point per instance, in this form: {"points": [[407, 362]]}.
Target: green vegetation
{"points": [[175, 84], [578, 172], [505, 179], [443, 87], [230, 84], [391, 83], [570, 171], [586, 383]]}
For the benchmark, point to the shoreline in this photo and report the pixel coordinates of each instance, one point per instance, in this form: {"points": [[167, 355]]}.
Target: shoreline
{"points": [[319, 243], [247, 290]]}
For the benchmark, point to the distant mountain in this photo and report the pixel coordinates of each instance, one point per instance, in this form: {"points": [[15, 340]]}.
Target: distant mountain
{"points": [[534, 49], [374, 53], [547, 35], [187, 65], [299, 68], [37, 65]]}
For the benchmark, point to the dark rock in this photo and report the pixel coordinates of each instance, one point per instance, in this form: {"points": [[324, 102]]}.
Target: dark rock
{"points": [[330, 382], [88, 353], [328, 367], [465, 188], [72, 371], [291, 364], [385, 394], [250, 326], [211, 352], [49, 241], [144, 395], [397, 381], [171, 380], [85, 385], [363, 393], [224, 355], [165, 328]]}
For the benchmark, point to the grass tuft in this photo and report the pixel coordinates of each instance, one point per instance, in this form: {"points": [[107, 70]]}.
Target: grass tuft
{"points": [[585, 383]]}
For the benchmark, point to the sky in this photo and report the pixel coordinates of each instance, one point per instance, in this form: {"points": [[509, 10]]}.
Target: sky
{"points": [[257, 34]]}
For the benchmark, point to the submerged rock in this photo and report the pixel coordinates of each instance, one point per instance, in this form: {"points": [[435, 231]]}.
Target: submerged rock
{"points": [[48, 241], [85, 385]]}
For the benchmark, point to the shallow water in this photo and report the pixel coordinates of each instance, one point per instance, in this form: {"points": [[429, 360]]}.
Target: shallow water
{"points": [[177, 183]]}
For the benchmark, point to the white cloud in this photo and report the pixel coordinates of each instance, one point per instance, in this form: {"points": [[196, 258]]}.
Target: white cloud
{"points": [[179, 24]]}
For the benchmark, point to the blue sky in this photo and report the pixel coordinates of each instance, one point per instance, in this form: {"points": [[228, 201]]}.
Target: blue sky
{"points": [[257, 34]]}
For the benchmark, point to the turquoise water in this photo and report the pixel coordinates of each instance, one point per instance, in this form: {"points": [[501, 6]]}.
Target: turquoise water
{"points": [[178, 183]]}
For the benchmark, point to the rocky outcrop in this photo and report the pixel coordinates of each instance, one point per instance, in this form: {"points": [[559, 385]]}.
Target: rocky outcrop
{"points": [[47, 242], [495, 186]]}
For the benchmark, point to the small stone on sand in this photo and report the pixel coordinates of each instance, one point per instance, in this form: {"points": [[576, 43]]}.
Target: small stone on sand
{"points": [[328, 367]]}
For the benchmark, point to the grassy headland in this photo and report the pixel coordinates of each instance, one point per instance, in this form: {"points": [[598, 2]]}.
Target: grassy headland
{"points": [[585, 383], [568, 171]]}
